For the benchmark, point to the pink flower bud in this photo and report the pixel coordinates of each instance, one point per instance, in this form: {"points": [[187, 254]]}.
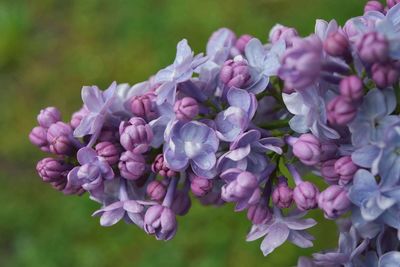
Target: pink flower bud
{"points": [[161, 222], [242, 42], [341, 111], [235, 73], [144, 106], [186, 109], [156, 190], [305, 195], [351, 88], [53, 170], [373, 47], [78, 116], [109, 152], [160, 166], [59, 137], [38, 137], [48, 116], [384, 75], [334, 201], [132, 166], [337, 45], [282, 196], [136, 135], [392, 3], [259, 214], [280, 32], [200, 186], [373, 6], [328, 172], [308, 149], [345, 169]]}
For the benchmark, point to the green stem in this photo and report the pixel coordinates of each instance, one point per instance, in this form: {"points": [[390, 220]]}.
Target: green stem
{"points": [[275, 124]]}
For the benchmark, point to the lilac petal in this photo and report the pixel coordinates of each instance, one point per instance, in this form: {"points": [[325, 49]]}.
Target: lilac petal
{"points": [[194, 132], [259, 85], [113, 206], [255, 53], [85, 126], [242, 99], [86, 155], [241, 205], [230, 123], [270, 143], [111, 217], [278, 233], [364, 186], [299, 124], [166, 92], [390, 259], [257, 231], [132, 206], [175, 161], [205, 161], [370, 209], [230, 174], [365, 156], [300, 224], [183, 52], [245, 139], [299, 240], [136, 218], [209, 174], [73, 177], [93, 98], [239, 153]]}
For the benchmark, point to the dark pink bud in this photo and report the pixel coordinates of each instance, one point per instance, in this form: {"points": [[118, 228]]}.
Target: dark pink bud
{"points": [[135, 135], [38, 137], [59, 137], [328, 171], [159, 166], [242, 41], [156, 190], [345, 169], [235, 73], [282, 196], [132, 166], [308, 149], [305, 195], [351, 88], [109, 152], [144, 106], [186, 109], [373, 47], [373, 6], [53, 170], [200, 186], [48, 116], [384, 75], [333, 201], [337, 45], [392, 3], [181, 203], [341, 111], [259, 214]]}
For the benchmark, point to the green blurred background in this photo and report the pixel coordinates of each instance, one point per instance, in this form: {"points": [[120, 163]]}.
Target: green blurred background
{"points": [[48, 50]]}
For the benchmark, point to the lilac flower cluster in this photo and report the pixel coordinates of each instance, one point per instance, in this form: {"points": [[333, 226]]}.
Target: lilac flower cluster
{"points": [[248, 123]]}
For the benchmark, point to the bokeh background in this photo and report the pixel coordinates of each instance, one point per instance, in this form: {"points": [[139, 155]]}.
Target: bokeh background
{"points": [[48, 50]]}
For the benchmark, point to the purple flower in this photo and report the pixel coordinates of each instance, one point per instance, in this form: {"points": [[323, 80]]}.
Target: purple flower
{"points": [[373, 47], [78, 116], [98, 104], [346, 169], [334, 201], [305, 195], [160, 166], [191, 143], [373, 6], [328, 171], [109, 152], [259, 213], [235, 73], [180, 71], [60, 139], [144, 106], [156, 190], [53, 170], [241, 187], [200, 186], [186, 108], [280, 229], [136, 135], [280, 32], [385, 75], [38, 137], [219, 45], [132, 166], [241, 43], [351, 88], [337, 45], [161, 222], [264, 63], [48, 116], [308, 149], [92, 172], [301, 64], [282, 196], [341, 111]]}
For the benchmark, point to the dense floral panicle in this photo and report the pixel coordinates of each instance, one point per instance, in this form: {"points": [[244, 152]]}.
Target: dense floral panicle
{"points": [[48, 116], [131, 165], [226, 126]]}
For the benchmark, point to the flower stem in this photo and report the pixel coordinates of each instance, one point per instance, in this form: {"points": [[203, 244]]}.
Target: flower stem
{"points": [[275, 124]]}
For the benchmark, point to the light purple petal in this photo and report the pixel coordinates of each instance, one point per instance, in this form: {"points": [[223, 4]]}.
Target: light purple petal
{"points": [[278, 233], [110, 218], [86, 155]]}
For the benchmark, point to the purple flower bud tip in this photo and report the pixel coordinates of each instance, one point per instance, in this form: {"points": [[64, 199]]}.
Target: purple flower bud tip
{"points": [[135, 135], [144, 106], [235, 73], [59, 138], [351, 88], [156, 190], [280, 32], [373, 6], [346, 169], [384, 75], [48, 116], [328, 171], [53, 170], [38, 137], [333, 201], [341, 111], [132, 166], [392, 3], [160, 166], [337, 45], [181, 203], [200, 186], [308, 149], [373, 47], [161, 222], [305, 195], [109, 152], [242, 42], [282, 196], [186, 109], [259, 214]]}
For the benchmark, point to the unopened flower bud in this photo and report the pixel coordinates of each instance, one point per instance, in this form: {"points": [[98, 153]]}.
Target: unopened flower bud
{"points": [[333, 201], [305, 195], [186, 109], [280, 32], [308, 149], [351, 88], [160, 166], [346, 169], [132, 166], [373, 47], [235, 73], [59, 137], [200, 186], [109, 152], [341, 111], [337, 45], [161, 222], [136, 135], [282, 196], [384, 75], [53, 170], [259, 214], [156, 190], [242, 41], [328, 171], [38, 137], [144, 106], [48, 116], [392, 3], [373, 6]]}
